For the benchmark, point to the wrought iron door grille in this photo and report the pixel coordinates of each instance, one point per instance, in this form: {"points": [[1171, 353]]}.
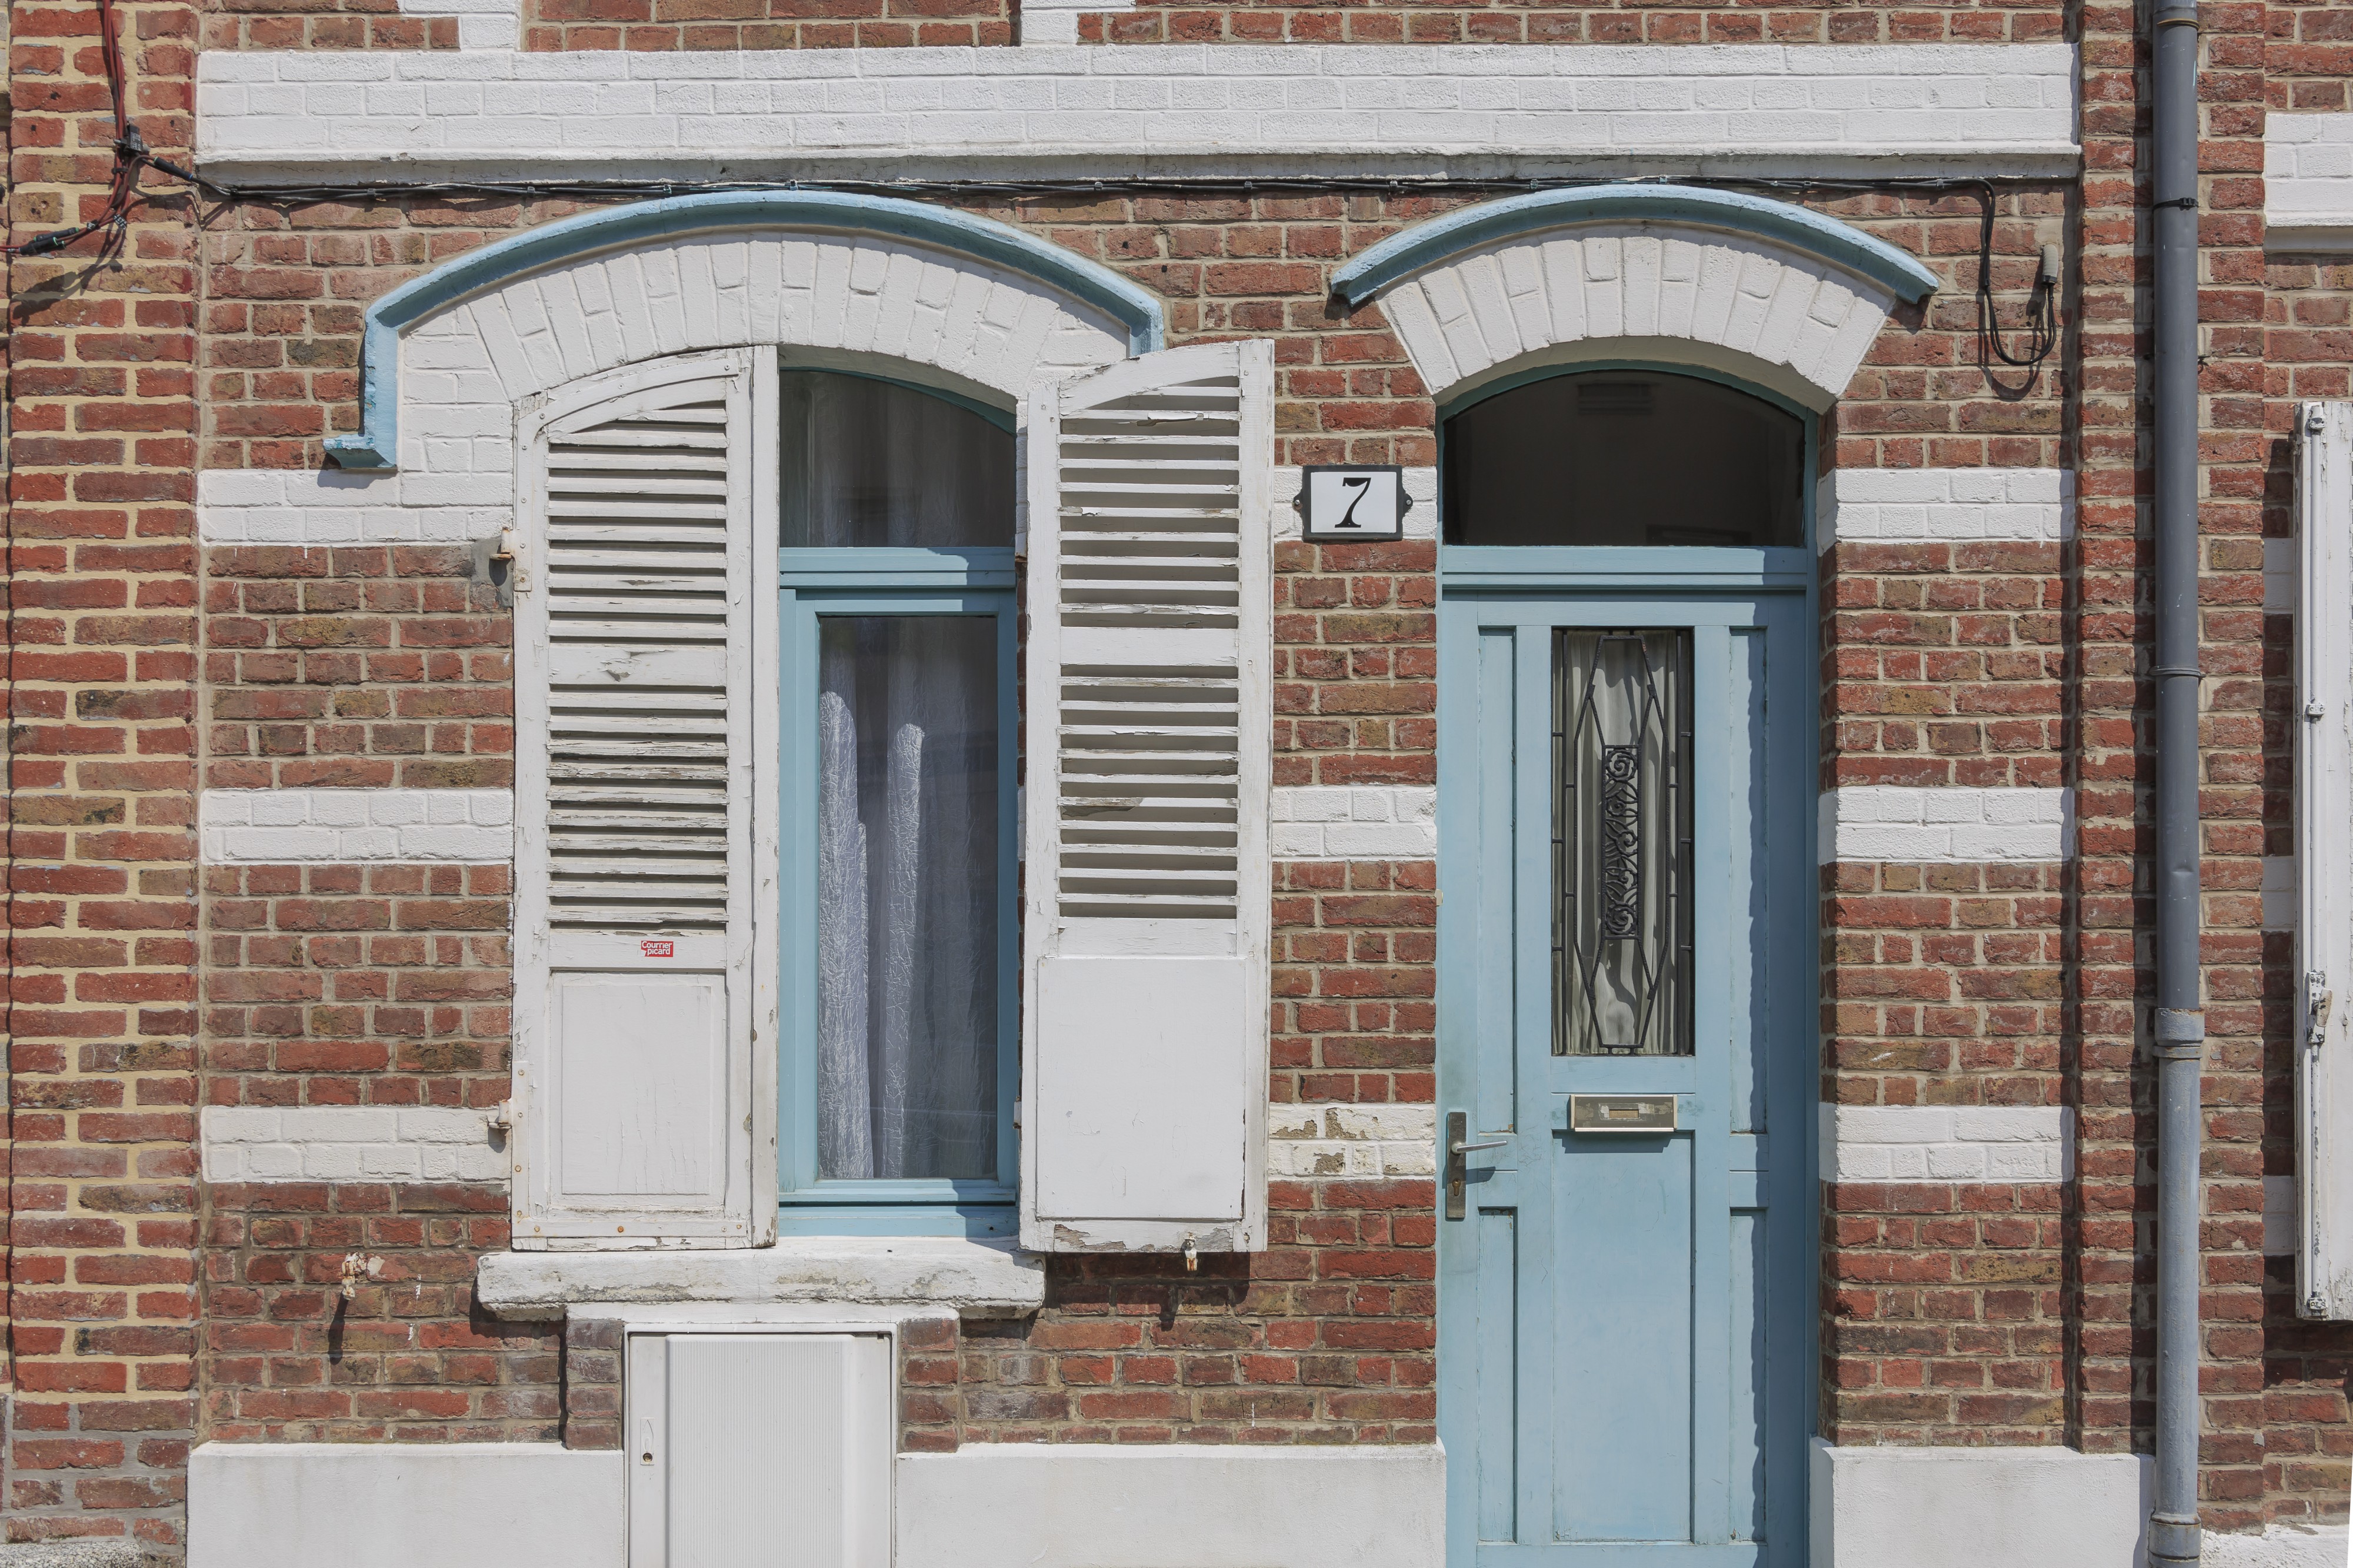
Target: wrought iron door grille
{"points": [[1621, 842]]}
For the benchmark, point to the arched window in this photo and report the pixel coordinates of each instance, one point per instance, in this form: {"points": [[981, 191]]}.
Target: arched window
{"points": [[895, 517], [1624, 458]]}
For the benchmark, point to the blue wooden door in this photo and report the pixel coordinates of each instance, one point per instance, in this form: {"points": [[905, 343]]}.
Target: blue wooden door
{"points": [[1624, 1353]]}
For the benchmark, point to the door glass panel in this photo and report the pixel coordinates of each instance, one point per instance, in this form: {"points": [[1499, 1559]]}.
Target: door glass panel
{"points": [[907, 896], [1622, 843], [872, 464]]}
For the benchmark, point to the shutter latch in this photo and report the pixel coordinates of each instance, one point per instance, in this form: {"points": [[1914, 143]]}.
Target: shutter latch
{"points": [[2317, 999]]}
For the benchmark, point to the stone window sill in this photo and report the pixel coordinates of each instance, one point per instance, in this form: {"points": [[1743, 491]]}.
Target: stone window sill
{"points": [[972, 1278]]}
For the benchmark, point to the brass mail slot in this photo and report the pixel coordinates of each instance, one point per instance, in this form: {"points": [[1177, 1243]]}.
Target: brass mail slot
{"points": [[1622, 1113]]}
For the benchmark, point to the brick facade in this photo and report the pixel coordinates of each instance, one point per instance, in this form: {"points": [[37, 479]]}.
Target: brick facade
{"points": [[146, 1310], [103, 1194]]}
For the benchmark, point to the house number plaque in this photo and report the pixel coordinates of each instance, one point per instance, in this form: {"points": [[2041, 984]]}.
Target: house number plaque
{"points": [[1356, 501]]}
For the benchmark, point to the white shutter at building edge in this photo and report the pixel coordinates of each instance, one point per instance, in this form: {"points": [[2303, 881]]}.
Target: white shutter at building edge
{"points": [[2323, 839], [646, 831], [1147, 906]]}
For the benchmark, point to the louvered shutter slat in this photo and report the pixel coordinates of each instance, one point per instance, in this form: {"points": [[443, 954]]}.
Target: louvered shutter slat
{"points": [[639, 988], [1146, 932]]}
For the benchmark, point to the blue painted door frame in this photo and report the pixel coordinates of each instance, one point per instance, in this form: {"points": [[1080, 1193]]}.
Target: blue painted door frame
{"points": [[1625, 1323]]}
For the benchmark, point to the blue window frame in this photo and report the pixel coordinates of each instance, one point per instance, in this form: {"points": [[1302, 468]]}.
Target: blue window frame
{"points": [[858, 1111], [961, 584]]}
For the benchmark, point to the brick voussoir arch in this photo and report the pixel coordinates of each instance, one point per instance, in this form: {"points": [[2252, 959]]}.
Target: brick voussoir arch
{"points": [[448, 355], [1763, 290]]}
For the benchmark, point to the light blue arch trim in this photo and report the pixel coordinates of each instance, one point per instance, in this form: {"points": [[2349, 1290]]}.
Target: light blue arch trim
{"points": [[377, 444], [1426, 244]]}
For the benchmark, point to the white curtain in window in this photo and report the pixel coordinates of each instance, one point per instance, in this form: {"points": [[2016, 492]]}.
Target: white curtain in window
{"points": [[907, 896]]}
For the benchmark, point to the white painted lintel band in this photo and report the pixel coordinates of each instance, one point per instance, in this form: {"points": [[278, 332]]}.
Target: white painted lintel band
{"points": [[1945, 506], [2308, 182], [1468, 111], [1372, 822], [350, 1144], [1947, 1142], [1960, 826], [343, 826]]}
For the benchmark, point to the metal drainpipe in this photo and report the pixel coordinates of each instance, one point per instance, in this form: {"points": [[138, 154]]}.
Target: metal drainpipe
{"points": [[2180, 1023]]}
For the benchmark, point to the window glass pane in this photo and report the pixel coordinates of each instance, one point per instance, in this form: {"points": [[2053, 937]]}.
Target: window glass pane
{"points": [[1622, 457], [1622, 843], [871, 463], [907, 896]]}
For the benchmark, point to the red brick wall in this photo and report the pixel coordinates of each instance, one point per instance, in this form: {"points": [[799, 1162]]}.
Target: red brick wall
{"points": [[102, 945], [409, 1358], [766, 24], [287, 286], [353, 667], [668, 24], [1328, 1334], [1538, 22]]}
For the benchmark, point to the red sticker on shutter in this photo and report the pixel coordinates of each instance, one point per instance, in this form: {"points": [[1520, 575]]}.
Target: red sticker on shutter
{"points": [[657, 949]]}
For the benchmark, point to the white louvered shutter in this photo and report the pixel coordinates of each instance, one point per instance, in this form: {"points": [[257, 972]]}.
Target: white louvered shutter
{"points": [[645, 848], [1148, 881], [2324, 843]]}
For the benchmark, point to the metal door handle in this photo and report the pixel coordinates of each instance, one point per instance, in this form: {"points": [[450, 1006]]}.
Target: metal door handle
{"points": [[1458, 1128]]}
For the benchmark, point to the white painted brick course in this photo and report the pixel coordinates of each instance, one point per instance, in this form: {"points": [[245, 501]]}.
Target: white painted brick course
{"points": [[2309, 181], [1946, 1143], [1351, 1139], [328, 506], [348, 1144], [1984, 107], [289, 827], [1915, 505], [1390, 821], [1945, 826]]}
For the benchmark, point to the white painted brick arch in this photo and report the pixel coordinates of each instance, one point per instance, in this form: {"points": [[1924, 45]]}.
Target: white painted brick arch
{"points": [[464, 371], [1689, 295]]}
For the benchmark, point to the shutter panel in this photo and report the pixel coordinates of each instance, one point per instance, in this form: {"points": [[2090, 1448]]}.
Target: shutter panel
{"points": [[1148, 882], [644, 850], [2324, 843]]}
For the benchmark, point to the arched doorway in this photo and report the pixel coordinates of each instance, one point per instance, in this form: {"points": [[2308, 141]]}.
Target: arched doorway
{"points": [[1627, 974]]}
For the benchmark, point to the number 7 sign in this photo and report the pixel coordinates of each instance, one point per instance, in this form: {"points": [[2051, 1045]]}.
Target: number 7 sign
{"points": [[1355, 500]]}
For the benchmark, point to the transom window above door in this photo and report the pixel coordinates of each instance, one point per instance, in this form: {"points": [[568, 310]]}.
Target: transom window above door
{"points": [[1623, 458]]}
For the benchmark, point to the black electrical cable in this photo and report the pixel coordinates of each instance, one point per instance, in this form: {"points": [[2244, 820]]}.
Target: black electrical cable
{"points": [[2041, 309], [130, 155]]}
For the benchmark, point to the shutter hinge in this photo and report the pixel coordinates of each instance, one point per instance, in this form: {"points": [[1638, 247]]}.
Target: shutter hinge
{"points": [[2317, 1000], [510, 550], [502, 1117], [498, 563]]}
